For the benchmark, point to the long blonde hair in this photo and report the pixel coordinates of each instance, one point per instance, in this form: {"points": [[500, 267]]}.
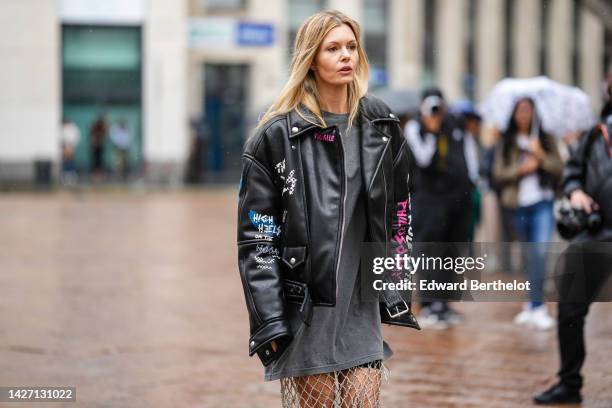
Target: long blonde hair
{"points": [[301, 88]]}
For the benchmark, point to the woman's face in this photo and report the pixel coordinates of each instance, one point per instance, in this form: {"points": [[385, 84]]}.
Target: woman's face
{"points": [[337, 57], [523, 115]]}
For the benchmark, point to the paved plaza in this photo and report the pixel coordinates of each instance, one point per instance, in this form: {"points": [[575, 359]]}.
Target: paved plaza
{"points": [[135, 300]]}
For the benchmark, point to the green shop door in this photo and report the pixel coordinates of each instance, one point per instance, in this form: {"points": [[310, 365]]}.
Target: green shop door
{"points": [[101, 69]]}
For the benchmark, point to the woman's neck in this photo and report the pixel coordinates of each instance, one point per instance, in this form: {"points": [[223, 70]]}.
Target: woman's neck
{"points": [[333, 99]]}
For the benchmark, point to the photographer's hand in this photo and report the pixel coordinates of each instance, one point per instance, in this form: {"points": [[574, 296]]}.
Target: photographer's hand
{"points": [[580, 199]]}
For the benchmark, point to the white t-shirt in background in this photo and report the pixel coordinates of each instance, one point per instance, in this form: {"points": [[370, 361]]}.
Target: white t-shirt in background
{"points": [[529, 189]]}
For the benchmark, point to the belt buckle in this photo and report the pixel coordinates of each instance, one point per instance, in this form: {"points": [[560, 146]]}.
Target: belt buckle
{"points": [[398, 311]]}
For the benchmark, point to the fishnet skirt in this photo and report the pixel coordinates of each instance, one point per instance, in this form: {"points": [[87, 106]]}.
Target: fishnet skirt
{"points": [[355, 387]]}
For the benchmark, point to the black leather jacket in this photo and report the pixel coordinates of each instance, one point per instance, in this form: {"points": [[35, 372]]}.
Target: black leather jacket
{"points": [[589, 168], [290, 217]]}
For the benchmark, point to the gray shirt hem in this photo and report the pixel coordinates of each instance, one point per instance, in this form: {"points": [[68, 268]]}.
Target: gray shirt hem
{"points": [[326, 368]]}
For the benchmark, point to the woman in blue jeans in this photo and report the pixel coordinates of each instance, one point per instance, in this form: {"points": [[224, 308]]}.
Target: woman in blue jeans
{"points": [[528, 168]]}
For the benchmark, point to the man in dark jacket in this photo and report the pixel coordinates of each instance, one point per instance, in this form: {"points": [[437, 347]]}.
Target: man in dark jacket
{"points": [[442, 194], [587, 181]]}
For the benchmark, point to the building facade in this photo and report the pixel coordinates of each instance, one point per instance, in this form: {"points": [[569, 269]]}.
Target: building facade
{"points": [[191, 76], [123, 60]]}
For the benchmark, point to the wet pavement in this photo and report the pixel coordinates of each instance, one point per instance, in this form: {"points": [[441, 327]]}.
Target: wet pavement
{"points": [[135, 300]]}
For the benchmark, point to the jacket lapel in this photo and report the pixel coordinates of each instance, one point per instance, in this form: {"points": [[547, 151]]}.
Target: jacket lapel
{"points": [[372, 148]]}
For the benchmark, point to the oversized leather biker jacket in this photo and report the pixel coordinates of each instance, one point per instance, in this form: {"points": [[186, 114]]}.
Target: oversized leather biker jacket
{"points": [[291, 217]]}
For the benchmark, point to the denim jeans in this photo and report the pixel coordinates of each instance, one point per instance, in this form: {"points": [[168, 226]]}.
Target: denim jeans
{"points": [[534, 224]]}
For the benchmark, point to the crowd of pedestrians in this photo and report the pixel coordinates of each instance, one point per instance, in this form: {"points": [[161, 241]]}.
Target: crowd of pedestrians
{"points": [[525, 170]]}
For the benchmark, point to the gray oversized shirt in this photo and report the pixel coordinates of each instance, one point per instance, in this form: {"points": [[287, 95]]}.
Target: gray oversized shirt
{"points": [[350, 333]]}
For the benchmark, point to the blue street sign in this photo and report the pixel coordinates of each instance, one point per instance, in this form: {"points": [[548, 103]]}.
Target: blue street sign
{"points": [[255, 34]]}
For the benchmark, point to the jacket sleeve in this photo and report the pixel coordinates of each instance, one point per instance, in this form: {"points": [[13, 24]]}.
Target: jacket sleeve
{"points": [[395, 302], [401, 230], [574, 172], [423, 150], [504, 173], [259, 232], [552, 162]]}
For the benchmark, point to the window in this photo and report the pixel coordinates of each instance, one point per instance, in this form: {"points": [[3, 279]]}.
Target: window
{"points": [[299, 11], [101, 64], [223, 5], [375, 24], [101, 75]]}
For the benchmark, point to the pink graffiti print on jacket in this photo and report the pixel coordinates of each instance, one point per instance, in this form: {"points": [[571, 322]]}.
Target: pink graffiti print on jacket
{"points": [[325, 137], [402, 235], [401, 225]]}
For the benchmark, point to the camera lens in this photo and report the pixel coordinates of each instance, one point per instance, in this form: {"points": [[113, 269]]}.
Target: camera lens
{"points": [[594, 222]]}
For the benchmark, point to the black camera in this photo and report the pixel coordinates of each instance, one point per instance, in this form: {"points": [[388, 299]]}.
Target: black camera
{"points": [[573, 221], [432, 105]]}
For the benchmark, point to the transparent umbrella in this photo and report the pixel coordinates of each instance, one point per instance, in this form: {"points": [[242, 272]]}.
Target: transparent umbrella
{"points": [[561, 109]]}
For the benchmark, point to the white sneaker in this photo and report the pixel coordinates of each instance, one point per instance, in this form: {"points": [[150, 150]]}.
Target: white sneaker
{"points": [[541, 319], [453, 317], [432, 320], [525, 316]]}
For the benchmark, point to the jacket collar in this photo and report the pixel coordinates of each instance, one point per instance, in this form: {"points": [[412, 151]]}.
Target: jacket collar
{"points": [[375, 110], [299, 125], [371, 109]]}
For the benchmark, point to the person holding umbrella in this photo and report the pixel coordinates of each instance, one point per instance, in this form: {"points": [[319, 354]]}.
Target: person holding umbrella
{"points": [[561, 109], [527, 167]]}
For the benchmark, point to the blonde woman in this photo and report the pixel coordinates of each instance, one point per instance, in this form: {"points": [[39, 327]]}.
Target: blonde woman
{"points": [[326, 170]]}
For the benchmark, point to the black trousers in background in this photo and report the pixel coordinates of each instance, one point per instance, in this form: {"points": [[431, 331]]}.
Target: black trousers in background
{"points": [[586, 278], [97, 158], [439, 219]]}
